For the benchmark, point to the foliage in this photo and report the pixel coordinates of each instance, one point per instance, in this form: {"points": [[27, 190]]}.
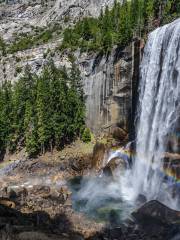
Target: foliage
{"points": [[28, 41], [2, 47], [86, 135], [41, 112], [118, 25], [18, 69]]}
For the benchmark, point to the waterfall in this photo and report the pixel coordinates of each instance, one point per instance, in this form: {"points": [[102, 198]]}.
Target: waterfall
{"points": [[159, 109], [158, 119]]}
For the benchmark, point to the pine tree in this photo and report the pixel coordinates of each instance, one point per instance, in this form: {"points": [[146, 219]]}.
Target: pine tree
{"points": [[22, 92], [86, 136], [2, 46], [134, 12], [41, 112], [124, 28], [77, 105], [43, 104], [58, 90], [107, 26], [148, 11], [159, 8], [6, 119], [30, 126]]}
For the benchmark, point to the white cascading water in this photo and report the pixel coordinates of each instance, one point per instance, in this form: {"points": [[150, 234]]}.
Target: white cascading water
{"points": [[158, 117], [158, 113]]}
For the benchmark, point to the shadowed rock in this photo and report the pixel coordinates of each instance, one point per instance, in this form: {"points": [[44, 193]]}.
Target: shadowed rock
{"points": [[158, 212], [119, 134]]}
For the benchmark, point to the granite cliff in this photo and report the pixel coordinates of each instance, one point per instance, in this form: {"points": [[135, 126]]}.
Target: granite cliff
{"points": [[109, 81]]}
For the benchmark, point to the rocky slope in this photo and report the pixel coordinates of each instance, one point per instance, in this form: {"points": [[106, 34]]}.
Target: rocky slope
{"points": [[40, 13], [109, 81], [36, 202]]}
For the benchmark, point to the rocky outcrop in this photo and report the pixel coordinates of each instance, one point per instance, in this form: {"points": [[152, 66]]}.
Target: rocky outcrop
{"points": [[35, 201], [110, 82], [75, 9], [157, 212], [99, 156], [22, 15], [157, 219], [114, 165]]}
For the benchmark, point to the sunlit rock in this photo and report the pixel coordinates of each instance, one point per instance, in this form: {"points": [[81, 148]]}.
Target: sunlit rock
{"points": [[99, 154], [114, 166]]}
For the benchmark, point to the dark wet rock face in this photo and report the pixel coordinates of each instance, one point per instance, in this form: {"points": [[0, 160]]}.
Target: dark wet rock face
{"points": [[158, 220], [157, 211]]}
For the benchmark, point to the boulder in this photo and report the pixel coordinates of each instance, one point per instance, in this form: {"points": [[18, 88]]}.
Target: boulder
{"points": [[3, 192], [7, 203], [157, 219], [99, 152], [157, 211], [119, 134], [42, 191], [17, 193], [114, 165]]}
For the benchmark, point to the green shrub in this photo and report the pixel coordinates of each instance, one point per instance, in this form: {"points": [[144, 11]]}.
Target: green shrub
{"points": [[18, 59], [86, 136], [18, 69], [25, 41], [66, 19], [2, 46]]}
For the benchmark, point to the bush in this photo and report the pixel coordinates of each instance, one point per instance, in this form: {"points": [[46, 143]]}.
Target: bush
{"points": [[25, 41], [18, 59], [18, 69], [86, 136], [2, 47]]}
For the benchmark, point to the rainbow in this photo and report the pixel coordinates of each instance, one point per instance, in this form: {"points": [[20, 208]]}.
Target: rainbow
{"points": [[170, 173]]}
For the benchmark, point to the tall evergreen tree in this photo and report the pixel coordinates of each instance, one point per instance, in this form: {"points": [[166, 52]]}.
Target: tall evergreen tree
{"points": [[124, 28], [6, 117], [22, 92], [30, 126], [43, 101]]}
